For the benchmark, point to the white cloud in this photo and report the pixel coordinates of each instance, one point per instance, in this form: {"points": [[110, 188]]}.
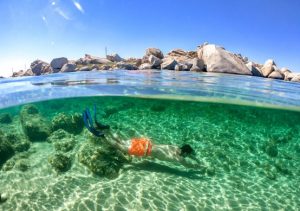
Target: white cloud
{"points": [[62, 13], [45, 20], [78, 6]]}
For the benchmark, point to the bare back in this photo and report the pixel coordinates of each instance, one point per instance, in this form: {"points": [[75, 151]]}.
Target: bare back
{"points": [[166, 153]]}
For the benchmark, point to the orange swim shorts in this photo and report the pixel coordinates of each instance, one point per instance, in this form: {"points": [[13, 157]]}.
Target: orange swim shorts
{"points": [[140, 147]]}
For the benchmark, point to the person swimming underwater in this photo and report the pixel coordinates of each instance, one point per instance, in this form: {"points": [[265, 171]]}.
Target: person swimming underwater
{"points": [[142, 147]]}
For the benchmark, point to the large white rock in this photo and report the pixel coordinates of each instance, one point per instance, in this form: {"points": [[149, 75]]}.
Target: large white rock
{"points": [[98, 60], [255, 71], [70, 67], [145, 66], [268, 67], [168, 64], [276, 75], [155, 52], [154, 61], [217, 59], [39, 67], [57, 63], [114, 58], [182, 67], [285, 70], [289, 76], [197, 65], [126, 66], [296, 78]]}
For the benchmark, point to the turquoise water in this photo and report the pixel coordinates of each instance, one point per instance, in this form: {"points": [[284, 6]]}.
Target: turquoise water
{"points": [[249, 153]]}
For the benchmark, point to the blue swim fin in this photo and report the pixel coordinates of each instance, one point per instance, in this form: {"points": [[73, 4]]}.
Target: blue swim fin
{"points": [[88, 122]]}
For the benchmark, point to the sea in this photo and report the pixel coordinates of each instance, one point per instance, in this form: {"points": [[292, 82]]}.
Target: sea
{"points": [[244, 130]]}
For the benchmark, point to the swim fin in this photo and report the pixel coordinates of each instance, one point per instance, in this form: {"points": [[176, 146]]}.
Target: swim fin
{"points": [[88, 122]]}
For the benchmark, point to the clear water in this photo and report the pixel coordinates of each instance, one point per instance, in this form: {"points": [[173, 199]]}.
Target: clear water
{"points": [[245, 132]]}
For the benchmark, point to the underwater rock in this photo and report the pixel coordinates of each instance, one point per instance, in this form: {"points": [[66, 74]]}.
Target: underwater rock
{"points": [[282, 167], [101, 160], [58, 135], [282, 137], [21, 146], [9, 165], [70, 123], [269, 171], [210, 171], [158, 108], [3, 197], [18, 161], [18, 141], [297, 148], [272, 175], [35, 127], [22, 165], [271, 149], [60, 162], [62, 140], [30, 109], [6, 149], [5, 118], [65, 145]]}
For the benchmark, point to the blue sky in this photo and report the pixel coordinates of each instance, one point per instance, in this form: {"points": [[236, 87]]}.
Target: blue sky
{"points": [[259, 29]]}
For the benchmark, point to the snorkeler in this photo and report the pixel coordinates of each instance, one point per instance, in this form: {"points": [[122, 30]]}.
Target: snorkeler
{"points": [[143, 147]]}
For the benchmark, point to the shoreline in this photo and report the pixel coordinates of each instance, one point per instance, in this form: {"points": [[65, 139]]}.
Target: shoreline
{"points": [[206, 58]]}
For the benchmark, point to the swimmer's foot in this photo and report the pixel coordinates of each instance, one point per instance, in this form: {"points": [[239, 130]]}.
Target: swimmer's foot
{"points": [[89, 124]]}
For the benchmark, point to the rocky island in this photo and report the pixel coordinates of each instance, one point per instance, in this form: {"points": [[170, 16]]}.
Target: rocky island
{"points": [[207, 58]]}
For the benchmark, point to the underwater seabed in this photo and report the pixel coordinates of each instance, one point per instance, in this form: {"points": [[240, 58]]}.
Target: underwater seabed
{"points": [[49, 161]]}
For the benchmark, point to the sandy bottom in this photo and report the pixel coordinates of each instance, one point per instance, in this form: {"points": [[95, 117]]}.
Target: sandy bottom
{"points": [[231, 140]]}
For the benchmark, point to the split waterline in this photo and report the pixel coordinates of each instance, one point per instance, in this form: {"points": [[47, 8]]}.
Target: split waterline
{"points": [[249, 154]]}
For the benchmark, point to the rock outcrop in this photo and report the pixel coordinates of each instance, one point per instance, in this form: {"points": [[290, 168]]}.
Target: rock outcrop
{"points": [[39, 67], [69, 67], [100, 159], [145, 66], [218, 60], [6, 149], [70, 123], [276, 75], [126, 66], [114, 58], [5, 118], [168, 64], [57, 63], [155, 52], [296, 78], [155, 62], [268, 67], [35, 127], [197, 65], [207, 58], [254, 70]]}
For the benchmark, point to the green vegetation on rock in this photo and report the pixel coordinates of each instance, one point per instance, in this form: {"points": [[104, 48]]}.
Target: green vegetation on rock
{"points": [[60, 162], [6, 149], [70, 123], [102, 160], [5, 118], [62, 140], [35, 127]]}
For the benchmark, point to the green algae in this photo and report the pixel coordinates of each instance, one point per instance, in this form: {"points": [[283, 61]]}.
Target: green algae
{"points": [[250, 154]]}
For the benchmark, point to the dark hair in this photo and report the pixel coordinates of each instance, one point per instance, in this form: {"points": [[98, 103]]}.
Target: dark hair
{"points": [[186, 150]]}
